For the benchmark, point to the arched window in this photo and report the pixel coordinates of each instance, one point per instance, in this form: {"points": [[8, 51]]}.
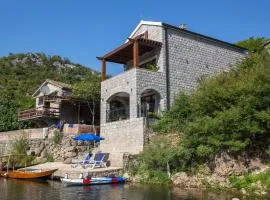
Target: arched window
{"points": [[118, 107]]}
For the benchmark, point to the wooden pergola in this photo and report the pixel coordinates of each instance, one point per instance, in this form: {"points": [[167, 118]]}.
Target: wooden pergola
{"points": [[130, 50]]}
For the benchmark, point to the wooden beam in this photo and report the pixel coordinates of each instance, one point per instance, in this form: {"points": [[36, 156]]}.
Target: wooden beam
{"points": [[146, 35], [136, 54], [103, 71]]}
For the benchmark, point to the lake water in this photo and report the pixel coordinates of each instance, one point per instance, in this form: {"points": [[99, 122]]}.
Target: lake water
{"points": [[12, 189]]}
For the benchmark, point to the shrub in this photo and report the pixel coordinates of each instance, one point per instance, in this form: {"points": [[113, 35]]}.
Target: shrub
{"points": [[229, 112], [152, 162], [48, 157], [57, 137], [19, 145]]}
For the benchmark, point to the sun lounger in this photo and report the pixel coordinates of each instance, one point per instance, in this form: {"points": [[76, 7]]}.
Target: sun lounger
{"points": [[99, 161], [88, 158]]}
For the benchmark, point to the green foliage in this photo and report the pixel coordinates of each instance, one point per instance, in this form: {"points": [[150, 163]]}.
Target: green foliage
{"points": [[152, 67], [8, 112], [57, 137], [48, 157], [152, 162], [249, 181], [19, 145], [22, 74], [229, 112], [88, 88], [253, 44]]}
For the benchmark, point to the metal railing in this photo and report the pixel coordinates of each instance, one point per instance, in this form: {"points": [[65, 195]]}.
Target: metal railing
{"points": [[117, 114], [146, 110]]}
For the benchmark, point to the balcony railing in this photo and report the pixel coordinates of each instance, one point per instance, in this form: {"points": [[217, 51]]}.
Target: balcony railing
{"points": [[117, 114], [38, 113]]}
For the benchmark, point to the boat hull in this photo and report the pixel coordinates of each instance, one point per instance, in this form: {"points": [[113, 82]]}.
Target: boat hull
{"points": [[20, 174], [92, 181]]}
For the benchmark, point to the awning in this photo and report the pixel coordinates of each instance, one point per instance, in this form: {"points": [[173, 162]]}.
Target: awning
{"points": [[124, 53]]}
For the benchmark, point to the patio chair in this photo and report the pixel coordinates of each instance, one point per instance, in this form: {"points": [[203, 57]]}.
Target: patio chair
{"points": [[87, 159], [99, 161]]}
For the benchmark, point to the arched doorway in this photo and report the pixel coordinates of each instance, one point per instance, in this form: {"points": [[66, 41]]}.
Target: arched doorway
{"points": [[118, 107], [150, 103]]}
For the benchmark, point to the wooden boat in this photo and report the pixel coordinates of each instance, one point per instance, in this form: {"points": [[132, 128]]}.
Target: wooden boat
{"points": [[27, 174], [92, 181]]}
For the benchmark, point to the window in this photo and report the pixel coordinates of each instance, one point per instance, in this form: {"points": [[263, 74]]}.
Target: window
{"points": [[40, 101]]}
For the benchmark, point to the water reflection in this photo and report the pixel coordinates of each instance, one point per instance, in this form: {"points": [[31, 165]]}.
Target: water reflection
{"points": [[11, 189]]}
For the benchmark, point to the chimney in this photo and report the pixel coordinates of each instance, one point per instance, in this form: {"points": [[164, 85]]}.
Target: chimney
{"points": [[183, 26]]}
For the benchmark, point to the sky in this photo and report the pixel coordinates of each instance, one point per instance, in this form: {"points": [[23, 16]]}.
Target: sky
{"points": [[83, 29]]}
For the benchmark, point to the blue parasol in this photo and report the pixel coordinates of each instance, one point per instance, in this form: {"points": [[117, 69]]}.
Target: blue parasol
{"points": [[88, 137]]}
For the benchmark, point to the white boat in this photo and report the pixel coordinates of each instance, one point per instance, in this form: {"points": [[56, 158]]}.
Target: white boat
{"points": [[92, 181]]}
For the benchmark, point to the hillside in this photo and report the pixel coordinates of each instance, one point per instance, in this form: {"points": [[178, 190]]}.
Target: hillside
{"points": [[22, 74]]}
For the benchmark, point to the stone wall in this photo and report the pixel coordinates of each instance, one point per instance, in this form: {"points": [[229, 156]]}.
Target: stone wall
{"points": [[37, 133], [134, 82], [156, 81], [191, 57], [155, 33], [121, 137], [125, 82], [65, 151]]}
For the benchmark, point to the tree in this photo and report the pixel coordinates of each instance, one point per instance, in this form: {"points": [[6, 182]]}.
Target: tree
{"points": [[253, 44], [89, 89], [8, 113]]}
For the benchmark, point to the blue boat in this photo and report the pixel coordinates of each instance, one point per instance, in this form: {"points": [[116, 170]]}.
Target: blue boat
{"points": [[92, 181]]}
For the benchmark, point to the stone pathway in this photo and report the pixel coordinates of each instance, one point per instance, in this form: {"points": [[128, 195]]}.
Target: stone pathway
{"points": [[74, 172]]}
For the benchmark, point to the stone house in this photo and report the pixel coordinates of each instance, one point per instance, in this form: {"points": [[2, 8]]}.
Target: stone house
{"points": [[54, 103], [160, 60]]}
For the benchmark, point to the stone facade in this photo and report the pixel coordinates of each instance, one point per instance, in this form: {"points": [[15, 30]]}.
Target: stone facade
{"points": [[182, 60], [191, 58], [126, 136]]}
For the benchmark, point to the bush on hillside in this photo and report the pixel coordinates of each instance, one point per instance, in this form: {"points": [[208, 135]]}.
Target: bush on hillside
{"points": [[230, 112]]}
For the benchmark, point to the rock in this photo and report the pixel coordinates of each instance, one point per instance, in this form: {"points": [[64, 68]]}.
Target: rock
{"points": [[243, 191], [181, 179], [68, 161], [226, 165], [82, 149], [70, 149], [40, 160], [126, 175], [235, 198], [70, 154]]}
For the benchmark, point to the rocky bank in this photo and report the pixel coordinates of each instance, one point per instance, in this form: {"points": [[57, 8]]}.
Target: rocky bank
{"points": [[65, 151]]}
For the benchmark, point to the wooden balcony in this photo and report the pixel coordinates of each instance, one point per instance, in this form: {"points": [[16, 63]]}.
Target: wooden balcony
{"points": [[37, 113]]}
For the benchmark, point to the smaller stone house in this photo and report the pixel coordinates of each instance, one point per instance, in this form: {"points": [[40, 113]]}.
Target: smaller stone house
{"points": [[54, 103]]}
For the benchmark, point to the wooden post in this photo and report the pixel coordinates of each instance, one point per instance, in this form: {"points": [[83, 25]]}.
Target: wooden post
{"points": [[79, 109], [145, 35], [136, 54], [103, 71]]}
